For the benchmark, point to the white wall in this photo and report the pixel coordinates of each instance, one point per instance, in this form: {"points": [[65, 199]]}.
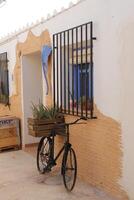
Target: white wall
{"points": [[107, 91], [113, 61], [127, 111], [113, 64], [32, 90]]}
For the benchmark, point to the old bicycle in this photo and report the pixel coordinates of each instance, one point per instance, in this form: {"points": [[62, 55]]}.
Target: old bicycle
{"points": [[46, 159]]}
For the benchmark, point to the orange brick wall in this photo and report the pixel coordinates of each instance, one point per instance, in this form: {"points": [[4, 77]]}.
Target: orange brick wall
{"points": [[99, 153]]}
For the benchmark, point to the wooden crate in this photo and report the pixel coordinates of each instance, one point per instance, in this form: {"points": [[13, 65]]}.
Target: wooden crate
{"points": [[39, 128], [9, 133]]}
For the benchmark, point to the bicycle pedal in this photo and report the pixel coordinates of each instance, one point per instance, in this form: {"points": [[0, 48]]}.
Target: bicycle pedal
{"points": [[47, 170]]}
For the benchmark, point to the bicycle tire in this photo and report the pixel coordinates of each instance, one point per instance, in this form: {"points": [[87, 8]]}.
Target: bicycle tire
{"points": [[43, 154], [69, 169]]}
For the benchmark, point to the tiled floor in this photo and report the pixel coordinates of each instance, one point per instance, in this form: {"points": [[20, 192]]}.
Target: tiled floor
{"points": [[19, 180]]}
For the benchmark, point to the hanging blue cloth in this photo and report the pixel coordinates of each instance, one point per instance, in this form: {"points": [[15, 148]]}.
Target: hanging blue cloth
{"points": [[46, 51]]}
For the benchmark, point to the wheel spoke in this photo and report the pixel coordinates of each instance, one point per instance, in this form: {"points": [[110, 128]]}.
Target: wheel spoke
{"points": [[70, 172], [43, 154]]}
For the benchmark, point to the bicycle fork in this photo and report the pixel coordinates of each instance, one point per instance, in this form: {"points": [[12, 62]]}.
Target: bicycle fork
{"points": [[64, 160]]}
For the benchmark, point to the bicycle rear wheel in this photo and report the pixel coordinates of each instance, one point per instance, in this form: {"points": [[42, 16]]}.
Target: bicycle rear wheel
{"points": [[69, 169], [43, 154]]}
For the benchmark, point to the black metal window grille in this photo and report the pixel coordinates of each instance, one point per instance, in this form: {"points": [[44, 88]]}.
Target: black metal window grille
{"points": [[73, 70], [4, 85]]}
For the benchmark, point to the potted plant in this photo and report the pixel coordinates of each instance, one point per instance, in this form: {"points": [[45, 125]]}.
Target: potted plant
{"points": [[86, 103], [73, 102], [43, 120]]}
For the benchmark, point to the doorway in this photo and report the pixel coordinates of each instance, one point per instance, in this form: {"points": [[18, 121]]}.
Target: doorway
{"points": [[32, 91]]}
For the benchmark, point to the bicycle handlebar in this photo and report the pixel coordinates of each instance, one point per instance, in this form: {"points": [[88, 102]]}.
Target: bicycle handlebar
{"points": [[71, 123], [75, 122]]}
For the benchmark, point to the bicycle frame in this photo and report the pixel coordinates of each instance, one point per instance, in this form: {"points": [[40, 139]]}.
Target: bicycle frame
{"points": [[65, 147]]}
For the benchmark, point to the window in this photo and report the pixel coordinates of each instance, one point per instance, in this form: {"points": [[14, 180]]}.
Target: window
{"points": [[4, 90], [83, 84], [73, 70]]}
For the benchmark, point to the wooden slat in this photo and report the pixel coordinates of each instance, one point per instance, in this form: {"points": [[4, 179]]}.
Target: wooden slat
{"points": [[10, 141], [39, 133], [46, 121], [43, 127], [12, 147], [10, 132]]}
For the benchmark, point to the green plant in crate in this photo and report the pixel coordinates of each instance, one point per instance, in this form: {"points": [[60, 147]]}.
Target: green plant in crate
{"points": [[43, 112], [44, 119]]}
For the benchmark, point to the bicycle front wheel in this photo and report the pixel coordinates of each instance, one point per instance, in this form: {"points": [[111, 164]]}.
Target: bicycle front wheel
{"points": [[43, 154], [69, 169]]}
